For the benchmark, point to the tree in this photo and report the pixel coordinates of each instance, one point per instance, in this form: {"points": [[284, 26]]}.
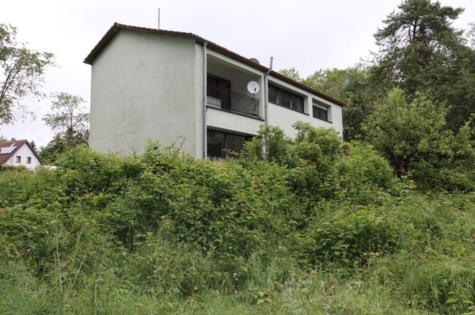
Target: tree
{"points": [[291, 73], [33, 146], [415, 40], [407, 131], [471, 35], [23, 73], [70, 121], [422, 52], [328, 81], [350, 85]]}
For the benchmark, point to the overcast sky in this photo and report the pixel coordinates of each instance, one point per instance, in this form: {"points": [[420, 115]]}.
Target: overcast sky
{"points": [[305, 34]]}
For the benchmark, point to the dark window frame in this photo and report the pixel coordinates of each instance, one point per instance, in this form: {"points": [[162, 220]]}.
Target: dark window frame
{"points": [[285, 98], [226, 148], [321, 112]]}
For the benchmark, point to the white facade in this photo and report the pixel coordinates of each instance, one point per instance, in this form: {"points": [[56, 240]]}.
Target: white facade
{"points": [[20, 154], [178, 88]]}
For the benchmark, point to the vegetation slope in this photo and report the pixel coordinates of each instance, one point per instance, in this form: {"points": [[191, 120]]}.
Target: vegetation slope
{"points": [[314, 226]]}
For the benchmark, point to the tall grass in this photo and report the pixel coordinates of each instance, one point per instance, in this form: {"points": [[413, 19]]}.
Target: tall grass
{"points": [[165, 234]]}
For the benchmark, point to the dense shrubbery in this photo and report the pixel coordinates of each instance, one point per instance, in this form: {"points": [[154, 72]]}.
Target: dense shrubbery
{"points": [[320, 227]]}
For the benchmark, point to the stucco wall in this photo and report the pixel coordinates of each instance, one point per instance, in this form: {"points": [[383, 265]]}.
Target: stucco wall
{"points": [[24, 152], [285, 117], [223, 120], [143, 87]]}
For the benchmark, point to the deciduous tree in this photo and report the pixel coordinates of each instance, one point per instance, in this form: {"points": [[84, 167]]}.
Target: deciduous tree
{"points": [[22, 74], [407, 130], [70, 120], [291, 73], [350, 85]]}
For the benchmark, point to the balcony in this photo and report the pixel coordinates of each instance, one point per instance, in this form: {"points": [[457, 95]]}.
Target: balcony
{"points": [[228, 100]]}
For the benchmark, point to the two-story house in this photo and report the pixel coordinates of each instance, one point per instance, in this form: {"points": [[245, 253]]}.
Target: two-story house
{"points": [[154, 84]]}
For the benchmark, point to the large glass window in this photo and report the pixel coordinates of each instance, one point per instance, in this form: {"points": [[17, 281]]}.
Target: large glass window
{"points": [[286, 99], [223, 144]]}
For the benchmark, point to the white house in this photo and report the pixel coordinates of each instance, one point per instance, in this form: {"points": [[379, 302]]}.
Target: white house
{"points": [[154, 84], [18, 152]]}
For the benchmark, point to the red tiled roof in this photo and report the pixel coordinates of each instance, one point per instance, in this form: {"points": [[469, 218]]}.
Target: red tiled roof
{"points": [[117, 27], [18, 144]]}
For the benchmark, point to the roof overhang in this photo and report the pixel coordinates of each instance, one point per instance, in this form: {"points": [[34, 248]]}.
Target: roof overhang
{"points": [[117, 27]]}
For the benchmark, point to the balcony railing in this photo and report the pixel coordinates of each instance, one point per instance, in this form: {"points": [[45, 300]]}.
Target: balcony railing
{"points": [[232, 101]]}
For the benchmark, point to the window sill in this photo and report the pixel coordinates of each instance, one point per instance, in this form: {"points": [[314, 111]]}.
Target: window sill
{"points": [[294, 110], [328, 121]]}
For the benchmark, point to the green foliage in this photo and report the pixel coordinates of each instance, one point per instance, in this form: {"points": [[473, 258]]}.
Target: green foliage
{"points": [[406, 131], [423, 52], [270, 145], [320, 166], [352, 86], [362, 175], [163, 268], [23, 73], [291, 73], [67, 113], [70, 121], [327, 230], [417, 40], [349, 236], [413, 136]]}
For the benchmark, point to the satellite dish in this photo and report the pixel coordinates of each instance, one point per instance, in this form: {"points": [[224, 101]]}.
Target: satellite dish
{"points": [[253, 87]]}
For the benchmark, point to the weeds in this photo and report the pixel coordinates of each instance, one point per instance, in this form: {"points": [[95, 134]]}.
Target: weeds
{"points": [[164, 233]]}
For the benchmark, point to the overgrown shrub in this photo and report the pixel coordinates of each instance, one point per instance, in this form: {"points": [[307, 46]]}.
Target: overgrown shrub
{"points": [[361, 175], [348, 236], [163, 232]]}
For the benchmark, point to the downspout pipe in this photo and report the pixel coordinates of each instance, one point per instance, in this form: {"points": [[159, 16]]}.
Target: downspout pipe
{"points": [[205, 84], [266, 104], [266, 94]]}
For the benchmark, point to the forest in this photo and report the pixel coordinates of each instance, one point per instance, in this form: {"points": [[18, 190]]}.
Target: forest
{"points": [[381, 221]]}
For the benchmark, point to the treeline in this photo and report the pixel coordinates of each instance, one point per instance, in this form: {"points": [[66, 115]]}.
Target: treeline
{"points": [[414, 99]]}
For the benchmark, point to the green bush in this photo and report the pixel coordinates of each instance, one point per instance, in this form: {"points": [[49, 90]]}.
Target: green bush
{"points": [[361, 175], [347, 237], [327, 231], [443, 177]]}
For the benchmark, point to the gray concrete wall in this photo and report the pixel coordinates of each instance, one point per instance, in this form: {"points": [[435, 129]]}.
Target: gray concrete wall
{"points": [[144, 87]]}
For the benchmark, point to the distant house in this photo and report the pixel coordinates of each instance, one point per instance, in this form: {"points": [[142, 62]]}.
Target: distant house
{"points": [[166, 85], [18, 152]]}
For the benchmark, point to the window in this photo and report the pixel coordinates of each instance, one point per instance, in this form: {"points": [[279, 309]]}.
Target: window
{"points": [[320, 112], [218, 92], [18, 159], [28, 160], [223, 144], [286, 99]]}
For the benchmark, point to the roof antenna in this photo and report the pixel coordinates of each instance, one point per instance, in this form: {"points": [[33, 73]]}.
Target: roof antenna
{"points": [[158, 18]]}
